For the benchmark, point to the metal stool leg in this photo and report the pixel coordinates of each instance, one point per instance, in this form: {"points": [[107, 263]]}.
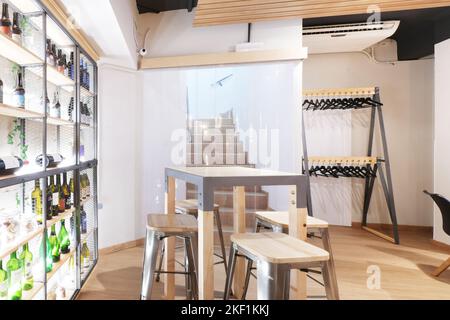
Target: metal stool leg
{"points": [[150, 256], [222, 242], [230, 272], [250, 264], [273, 281], [192, 282], [247, 278], [187, 269], [332, 269], [161, 260]]}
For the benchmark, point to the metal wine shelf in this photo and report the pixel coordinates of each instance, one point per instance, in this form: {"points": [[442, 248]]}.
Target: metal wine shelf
{"points": [[72, 139], [12, 180]]}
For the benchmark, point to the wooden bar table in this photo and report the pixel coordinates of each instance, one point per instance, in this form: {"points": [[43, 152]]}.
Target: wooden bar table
{"points": [[207, 179]]}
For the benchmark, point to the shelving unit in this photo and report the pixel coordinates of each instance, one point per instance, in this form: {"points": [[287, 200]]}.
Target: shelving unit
{"points": [[41, 135]]}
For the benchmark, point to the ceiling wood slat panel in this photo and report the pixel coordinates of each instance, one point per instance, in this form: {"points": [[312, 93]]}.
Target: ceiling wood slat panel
{"points": [[216, 12]]}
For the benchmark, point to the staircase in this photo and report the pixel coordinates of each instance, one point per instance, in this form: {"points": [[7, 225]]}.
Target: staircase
{"points": [[216, 142]]}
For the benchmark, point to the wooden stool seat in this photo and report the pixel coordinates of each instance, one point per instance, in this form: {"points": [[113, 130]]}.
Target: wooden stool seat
{"points": [[279, 248], [171, 223], [281, 218], [189, 206]]}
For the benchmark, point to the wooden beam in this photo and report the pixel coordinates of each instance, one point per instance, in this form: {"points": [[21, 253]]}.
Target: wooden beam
{"points": [[214, 12], [64, 19], [224, 58]]}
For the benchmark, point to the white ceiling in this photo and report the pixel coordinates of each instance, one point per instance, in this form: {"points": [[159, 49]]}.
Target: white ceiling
{"points": [[109, 25]]}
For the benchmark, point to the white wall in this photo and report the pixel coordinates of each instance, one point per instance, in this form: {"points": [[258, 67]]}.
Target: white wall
{"points": [[407, 93], [119, 146], [442, 133]]}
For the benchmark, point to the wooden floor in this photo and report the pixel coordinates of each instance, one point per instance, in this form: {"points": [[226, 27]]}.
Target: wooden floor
{"points": [[404, 270]]}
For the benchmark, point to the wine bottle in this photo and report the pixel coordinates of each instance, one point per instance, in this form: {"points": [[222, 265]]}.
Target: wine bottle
{"points": [[88, 186], [72, 66], [82, 84], [49, 202], [66, 192], [83, 218], [16, 31], [1, 91], [87, 76], [19, 92], [3, 283], [55, 245], [61, 197], [5, 22], [72, 192], [52, 160], [10, 164], [63, 238], [36, 201], [85, 256], [60, 61], [82, 196], [66, 69], [47, 254], [71, 108], [55, 197], [14, 269], [55, 57], [50, 56], [26, 258], [55, 110]]}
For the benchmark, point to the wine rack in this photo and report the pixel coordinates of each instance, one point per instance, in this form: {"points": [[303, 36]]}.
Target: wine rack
{"points": [[41, 128]]}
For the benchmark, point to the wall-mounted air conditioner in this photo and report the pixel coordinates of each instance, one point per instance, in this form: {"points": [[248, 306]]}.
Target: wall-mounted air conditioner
{"points": [[347, 37]]}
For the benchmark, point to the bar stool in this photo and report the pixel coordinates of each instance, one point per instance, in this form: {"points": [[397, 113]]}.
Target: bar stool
{"points": [[159, 227], [276, 254], [279, 222], [190, 207]]}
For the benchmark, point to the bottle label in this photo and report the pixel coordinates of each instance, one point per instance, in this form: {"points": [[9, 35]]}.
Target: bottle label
{"points": [[3, 289], [15, 280], [11, 163], [86, 262], [55, 199], [72, 199], [6, 30], [19, 100], [28, 270], [57, 157]]}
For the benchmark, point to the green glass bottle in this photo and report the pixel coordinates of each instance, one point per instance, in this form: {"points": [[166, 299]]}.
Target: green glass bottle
{"points": [[47, 254], [3, 283], [26, 258], [63, 238], [14, 268], [54, 243]]}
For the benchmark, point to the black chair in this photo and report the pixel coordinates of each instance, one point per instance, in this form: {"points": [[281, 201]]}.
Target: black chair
{"points": [[444, 206]]}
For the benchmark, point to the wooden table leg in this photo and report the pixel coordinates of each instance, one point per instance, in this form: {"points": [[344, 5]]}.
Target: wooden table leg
{"points": [[297, 229], [239, 227], [206, 255], [169, 257]]}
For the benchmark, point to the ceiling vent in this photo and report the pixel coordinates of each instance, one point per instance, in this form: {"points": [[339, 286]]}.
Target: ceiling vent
{"points": [[347, 37]]}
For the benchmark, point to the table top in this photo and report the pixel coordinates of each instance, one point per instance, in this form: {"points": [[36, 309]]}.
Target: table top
{"points": [[230, 172]]}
